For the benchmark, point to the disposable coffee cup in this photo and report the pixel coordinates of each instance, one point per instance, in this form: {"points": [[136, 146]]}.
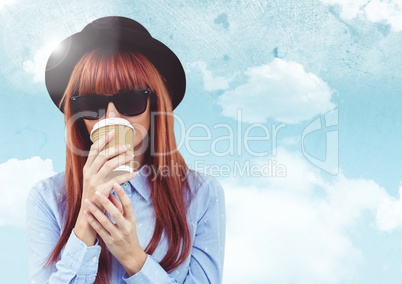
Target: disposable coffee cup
{"points": [[124, 134]]}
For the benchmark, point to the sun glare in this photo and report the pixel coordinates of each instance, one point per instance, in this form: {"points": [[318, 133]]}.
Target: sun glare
{"points": [[4, 3]]}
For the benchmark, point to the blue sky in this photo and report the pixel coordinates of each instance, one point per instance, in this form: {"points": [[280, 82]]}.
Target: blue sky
{"points": [[266, 71]]}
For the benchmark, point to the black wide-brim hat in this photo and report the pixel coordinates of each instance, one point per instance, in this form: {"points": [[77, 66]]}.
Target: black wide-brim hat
{"points": [[113, 33]]}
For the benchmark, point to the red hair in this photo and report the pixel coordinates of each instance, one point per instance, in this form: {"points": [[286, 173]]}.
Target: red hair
{"points": [[106, 72]]}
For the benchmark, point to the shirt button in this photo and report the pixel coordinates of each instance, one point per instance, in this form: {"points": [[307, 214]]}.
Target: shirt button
{"points": [[94, 259], [124, 184]]}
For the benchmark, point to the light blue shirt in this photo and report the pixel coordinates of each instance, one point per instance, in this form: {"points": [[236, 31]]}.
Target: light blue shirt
{"points": [[79, 263]]}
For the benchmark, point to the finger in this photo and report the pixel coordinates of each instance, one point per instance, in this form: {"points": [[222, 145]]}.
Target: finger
{"points": [[122, 178], [101, 217], [116, 202], [107, 154], [97, 226], [113, 163], [98, 146], [113, 211], [125, 201], [118, 179]]}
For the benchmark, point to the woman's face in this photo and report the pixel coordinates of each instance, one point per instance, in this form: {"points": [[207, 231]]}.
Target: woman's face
{"points": [[141, 124]]}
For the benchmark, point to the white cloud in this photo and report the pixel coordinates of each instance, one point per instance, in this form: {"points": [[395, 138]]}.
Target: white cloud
{"points": [[4, 3], [18, 177], [389, 215], [295, 229], [349, 9], [376, 11], [279, 238], [211, 82], [385, 11], [37, 65], [282, 90]]}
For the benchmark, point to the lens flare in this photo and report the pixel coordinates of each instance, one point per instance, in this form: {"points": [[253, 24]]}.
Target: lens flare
{"points": [[4, 3]]}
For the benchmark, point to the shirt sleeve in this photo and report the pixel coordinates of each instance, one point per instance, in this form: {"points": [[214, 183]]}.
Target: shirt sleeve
{"points": [[207, 254], [77, 264]]}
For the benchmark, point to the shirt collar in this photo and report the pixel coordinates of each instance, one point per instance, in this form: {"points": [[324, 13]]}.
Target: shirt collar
{"points": [[140, 183]]}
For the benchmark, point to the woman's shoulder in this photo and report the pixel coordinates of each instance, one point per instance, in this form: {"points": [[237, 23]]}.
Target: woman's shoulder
{"points": [[46, 200], [203, 186], [49, 189]]}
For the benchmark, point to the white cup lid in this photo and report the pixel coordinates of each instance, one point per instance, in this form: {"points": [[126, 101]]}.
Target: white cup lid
{"points": [[111, 121], [121, 170]]}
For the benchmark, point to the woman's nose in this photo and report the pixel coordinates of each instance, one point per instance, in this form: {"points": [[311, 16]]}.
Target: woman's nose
{"points": [[112, 111]]}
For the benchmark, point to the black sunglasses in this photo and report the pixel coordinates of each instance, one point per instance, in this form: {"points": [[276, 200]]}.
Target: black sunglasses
{"points": [[128, 103]]}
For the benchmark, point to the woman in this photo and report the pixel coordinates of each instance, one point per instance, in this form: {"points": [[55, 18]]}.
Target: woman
{"points": [[165, 224]]}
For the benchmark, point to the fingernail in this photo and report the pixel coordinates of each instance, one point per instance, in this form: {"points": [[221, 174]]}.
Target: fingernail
{"points": [[111, 132], [87, 214], [99, 195], [117, 187], [88, 203], [128, 146]]}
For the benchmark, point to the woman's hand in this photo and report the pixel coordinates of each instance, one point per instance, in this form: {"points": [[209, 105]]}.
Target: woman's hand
{"points": [[99, 165], [121, 238]]}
